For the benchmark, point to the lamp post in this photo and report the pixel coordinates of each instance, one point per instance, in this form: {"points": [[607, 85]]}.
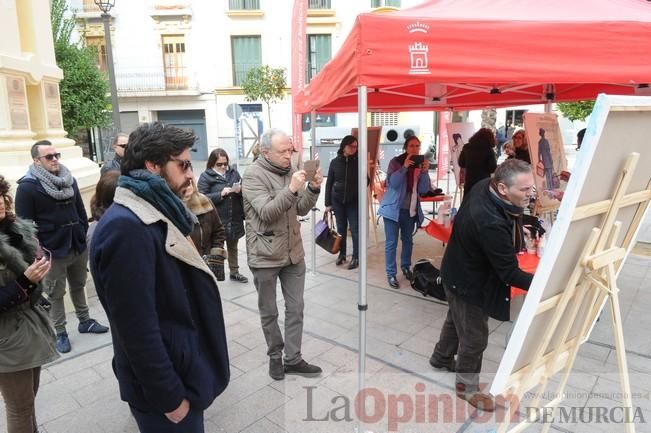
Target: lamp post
{"points": [[105, 6]]}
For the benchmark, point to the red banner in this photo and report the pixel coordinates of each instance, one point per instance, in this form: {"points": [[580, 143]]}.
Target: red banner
{"points": [[445, 117], [299, 20]]}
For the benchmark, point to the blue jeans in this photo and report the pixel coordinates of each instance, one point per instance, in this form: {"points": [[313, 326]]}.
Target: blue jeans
{"points": [[406, 225], [347, 215]]}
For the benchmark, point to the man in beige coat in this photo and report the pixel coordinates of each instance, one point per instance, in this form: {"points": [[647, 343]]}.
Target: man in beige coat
{"points": [[275, 194]]}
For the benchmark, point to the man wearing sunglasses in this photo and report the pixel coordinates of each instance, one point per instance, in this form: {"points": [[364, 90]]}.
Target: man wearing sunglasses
{"points": [[49, 196], [161, 298], [119, 144]]}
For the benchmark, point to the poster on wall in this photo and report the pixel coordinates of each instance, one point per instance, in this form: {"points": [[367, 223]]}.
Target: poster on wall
{"points": [[458, 135], [17, 99], [53, 105], [547, 156]]}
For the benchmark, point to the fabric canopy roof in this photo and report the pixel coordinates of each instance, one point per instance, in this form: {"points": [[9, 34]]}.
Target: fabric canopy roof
{"points": [[466, 54]]}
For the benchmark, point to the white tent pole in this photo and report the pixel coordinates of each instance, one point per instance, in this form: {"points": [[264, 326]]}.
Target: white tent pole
{"points": [[312, 155], [362, 203]]}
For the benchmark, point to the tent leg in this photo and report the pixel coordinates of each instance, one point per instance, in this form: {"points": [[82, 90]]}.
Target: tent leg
{"points": [[312, 155], [362, 202]]}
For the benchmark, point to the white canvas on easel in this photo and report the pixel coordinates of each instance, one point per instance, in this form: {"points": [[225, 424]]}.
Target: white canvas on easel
{"points": [[605, 200]]}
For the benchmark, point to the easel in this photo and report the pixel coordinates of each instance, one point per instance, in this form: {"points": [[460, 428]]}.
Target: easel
{"points": [[593, 278]]}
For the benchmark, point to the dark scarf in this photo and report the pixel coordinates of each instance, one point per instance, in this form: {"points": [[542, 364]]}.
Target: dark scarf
{"points": [[410, 171], [513, 211], [155, 191], [270, 166]]}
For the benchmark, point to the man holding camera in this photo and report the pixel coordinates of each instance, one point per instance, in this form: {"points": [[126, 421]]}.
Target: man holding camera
{"points": [[275, 194]]}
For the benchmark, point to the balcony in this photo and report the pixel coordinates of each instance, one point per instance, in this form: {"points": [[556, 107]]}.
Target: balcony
{"points": [[240, 70], [244, 9], [143, 82], [319, 4]]}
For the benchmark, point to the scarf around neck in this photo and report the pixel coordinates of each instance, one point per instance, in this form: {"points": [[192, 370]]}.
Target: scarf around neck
{"points": [[59, 187], [515, 212], [155, 191], [274, 168]]}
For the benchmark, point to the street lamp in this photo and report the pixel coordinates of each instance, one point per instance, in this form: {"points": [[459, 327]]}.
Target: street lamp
{"points": [[105, 6]]}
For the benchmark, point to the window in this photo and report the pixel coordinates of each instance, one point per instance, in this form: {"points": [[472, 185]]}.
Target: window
{"points": [[247, 54], [97, 42], [244, 4], [319, 52], [514, 118], [384, 3], [319, 4], [384, 119], [90, 6], [174, 62]]}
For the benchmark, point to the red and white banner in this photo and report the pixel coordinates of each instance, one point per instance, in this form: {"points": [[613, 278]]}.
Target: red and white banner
{"points": [[445, 117], [299, 20]]}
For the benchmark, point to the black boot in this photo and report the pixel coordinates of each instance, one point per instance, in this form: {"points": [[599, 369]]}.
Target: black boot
{"points": [[354, 263]]}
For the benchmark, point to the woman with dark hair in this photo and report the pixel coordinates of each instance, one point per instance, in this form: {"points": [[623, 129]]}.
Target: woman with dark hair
{"points": [[341, 196], [26, 335], [222, 184], [103, 198], [407, 178], [478, 158]]}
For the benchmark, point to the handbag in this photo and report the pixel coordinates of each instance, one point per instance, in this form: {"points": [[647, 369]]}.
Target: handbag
{"points": [[326, 236]]}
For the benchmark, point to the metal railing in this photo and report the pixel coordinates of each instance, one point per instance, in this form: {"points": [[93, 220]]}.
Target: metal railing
{"points": [[240, 70], [243, 4], [148, 81], [319, 4]]}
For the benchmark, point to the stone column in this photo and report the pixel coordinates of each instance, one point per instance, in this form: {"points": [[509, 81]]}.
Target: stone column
{"points": [[30, 107]]}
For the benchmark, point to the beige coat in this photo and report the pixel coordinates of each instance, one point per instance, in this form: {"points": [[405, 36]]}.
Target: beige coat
{"points": [[273, 233]]}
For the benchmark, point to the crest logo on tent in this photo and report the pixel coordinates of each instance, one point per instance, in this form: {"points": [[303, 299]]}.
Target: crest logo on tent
{"points": [[418, 27], [418, 54]]}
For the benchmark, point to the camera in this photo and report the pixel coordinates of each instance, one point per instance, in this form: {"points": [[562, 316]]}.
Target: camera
{"points": [[418, 159]]}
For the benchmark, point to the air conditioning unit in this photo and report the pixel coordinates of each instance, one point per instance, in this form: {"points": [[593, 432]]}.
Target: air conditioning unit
{"points": [[397, 134]]}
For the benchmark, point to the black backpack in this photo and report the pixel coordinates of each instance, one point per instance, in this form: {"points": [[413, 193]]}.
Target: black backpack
{"points": [[427, 280]]}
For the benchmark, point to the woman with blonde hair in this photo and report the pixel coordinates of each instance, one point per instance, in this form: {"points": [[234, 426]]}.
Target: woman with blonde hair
{"points": [[521, 145]]}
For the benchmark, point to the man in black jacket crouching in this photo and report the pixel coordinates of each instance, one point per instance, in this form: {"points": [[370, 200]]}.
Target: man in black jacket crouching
{"points": [[478, 269]]}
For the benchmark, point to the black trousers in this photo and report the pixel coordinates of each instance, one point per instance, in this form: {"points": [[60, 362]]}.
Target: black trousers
{"points": [[158, 423], [465, 334]]}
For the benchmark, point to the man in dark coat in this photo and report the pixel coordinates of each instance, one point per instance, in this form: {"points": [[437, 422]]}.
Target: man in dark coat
{"points": [[169, 341], [119, 144], [49, 196], [478, 269]]}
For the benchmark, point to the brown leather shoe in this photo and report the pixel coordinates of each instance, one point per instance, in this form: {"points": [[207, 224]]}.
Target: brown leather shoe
{"points": [[476, 399]]}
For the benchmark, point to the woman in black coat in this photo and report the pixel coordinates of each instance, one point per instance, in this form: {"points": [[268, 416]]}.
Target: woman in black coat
{"points": [[478, 158], [341, 196], [222, 184]]}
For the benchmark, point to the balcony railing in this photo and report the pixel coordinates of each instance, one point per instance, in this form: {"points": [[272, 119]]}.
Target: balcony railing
{"points": [[243, 5], [319, 4], [240, 70], [154, 81]]}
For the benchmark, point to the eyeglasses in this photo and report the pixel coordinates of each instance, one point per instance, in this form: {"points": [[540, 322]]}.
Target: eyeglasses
{"points": [[221, 164], [184, 164], [51, 156], [123, 146]]}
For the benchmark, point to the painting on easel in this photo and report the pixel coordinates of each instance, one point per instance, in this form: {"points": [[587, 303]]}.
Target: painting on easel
{"points": [[547, 156], [599, 216]]}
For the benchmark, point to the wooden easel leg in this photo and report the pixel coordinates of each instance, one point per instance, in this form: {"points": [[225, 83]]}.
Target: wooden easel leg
{"points": [[620, 351]]}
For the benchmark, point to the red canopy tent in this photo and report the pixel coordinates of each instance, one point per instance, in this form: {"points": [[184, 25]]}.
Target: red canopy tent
{"points": [[465, 54]]}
